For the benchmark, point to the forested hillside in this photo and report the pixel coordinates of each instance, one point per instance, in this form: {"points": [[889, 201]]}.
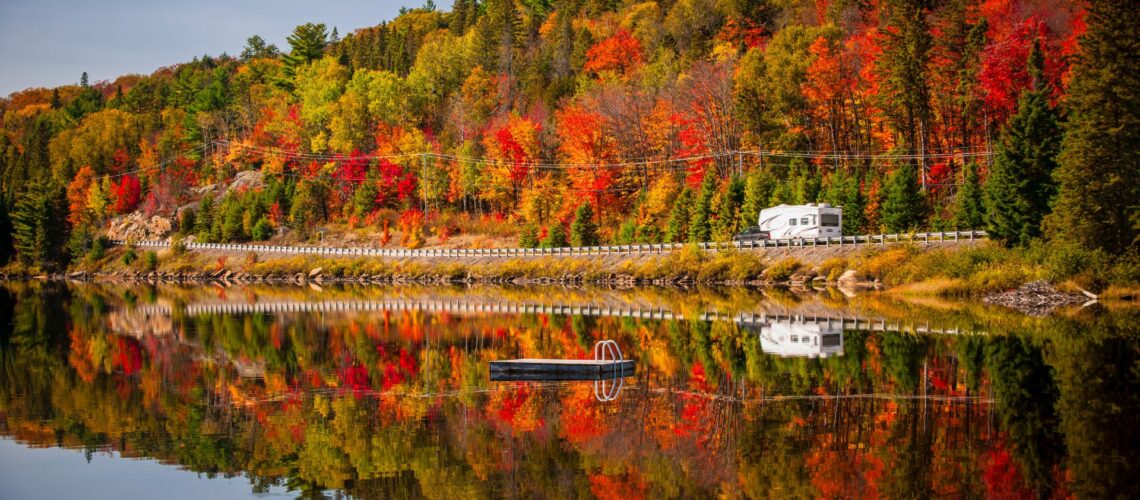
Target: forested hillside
{"points": [[581, 121]]}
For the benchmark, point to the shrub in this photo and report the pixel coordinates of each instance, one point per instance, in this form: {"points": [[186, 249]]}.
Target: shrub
{"points": [[177, 246], [877, 265], [250, 260], [98, 248], [263, 230], [833, 268], [130, 256], [783, 269], [151, 261]]}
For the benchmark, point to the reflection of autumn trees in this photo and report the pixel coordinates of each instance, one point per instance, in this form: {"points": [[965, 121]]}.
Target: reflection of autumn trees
{"points": [[383, 405]]}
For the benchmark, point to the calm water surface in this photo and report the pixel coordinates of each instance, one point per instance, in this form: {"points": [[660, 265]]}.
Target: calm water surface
{"points": [[183, 392]]}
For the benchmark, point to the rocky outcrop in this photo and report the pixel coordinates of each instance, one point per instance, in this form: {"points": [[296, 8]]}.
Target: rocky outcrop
{"points": [[136, 226], [245, 181]]}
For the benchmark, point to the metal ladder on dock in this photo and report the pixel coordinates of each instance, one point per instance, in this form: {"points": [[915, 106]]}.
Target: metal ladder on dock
{"points": [[608, 389]]}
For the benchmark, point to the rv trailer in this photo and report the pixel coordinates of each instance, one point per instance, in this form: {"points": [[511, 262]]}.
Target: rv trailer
{"points": [[796, 221]]}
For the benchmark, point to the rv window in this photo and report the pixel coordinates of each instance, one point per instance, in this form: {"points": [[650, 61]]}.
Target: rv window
{"points": [[804, 220], [791, 222], [831, 220]]}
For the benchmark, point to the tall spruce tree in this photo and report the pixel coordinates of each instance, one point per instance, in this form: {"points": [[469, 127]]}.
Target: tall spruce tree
{"points": [[969, 207], [1020, 185], [1098, 201], [583, 231], [727, 222], [907, 43], [677, 229], [308, 42], [39, 226], [758, 189], [904, 206], [843, 190], [5, 231], [700, 230]]}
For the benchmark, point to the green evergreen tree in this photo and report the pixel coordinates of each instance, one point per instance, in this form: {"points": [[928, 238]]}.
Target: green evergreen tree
{"points": [[308, 42], [39, 226], [727, 222], [1020, 184], [844, 190], [678, 226], [905, 89], [256, 48], [528, 236], [1098, 202], [904, 205], [758, 188], [583, 231], [970, 208], [204, 219], [263, 230], [699, 228], [5, 231]]}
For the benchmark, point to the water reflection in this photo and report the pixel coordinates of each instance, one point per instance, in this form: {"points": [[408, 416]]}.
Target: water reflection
{"points": [[799, 337], [396, 401]]}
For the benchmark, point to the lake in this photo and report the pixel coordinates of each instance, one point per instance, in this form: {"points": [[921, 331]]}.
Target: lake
{"points": [[138, 390]]}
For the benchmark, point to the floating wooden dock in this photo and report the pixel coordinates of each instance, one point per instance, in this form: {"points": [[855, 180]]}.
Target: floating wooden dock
{"points": [[560, 369]]}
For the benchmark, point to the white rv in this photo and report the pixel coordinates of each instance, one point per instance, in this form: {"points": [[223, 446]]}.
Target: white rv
{"points": [[800, 221]]}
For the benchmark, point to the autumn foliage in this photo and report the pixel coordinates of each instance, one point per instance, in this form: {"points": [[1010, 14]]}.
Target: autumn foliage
{"points": [[524, 120]]}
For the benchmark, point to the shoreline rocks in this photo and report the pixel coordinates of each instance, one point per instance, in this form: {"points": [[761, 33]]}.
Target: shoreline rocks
{"points": [[230, 277], [1036, 298]]}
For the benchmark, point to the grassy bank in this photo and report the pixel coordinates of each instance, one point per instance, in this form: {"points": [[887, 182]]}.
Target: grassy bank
{"points": [[932, 270]]}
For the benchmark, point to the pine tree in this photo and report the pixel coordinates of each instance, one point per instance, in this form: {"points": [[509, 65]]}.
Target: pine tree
{"points": [[699, 228], [204, 218], [906, 53], [678, 226], [728, 213], [5, 231], [1020, 184], [255, 48], [308, 41], [904, 206], [583, 231], [843, 190], [39, 226], [758, 189], [528, 236], [1098, 201], [970, 209]]}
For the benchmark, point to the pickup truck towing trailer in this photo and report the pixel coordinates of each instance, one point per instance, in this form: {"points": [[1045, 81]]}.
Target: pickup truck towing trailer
{"points": [[786, 222]]}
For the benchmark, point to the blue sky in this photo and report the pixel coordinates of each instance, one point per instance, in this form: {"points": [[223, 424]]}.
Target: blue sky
{"points": [[46, 43]]}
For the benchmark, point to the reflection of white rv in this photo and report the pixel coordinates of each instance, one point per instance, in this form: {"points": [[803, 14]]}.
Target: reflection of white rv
{"points": [[799, 221], [810, 339]]}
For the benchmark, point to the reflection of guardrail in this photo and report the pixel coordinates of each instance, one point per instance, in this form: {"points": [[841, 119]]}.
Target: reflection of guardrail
{"points": [[657, 248], [841, 322]]}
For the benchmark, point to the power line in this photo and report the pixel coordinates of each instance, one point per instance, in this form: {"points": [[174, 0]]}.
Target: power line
{"points": [[671, 163]]}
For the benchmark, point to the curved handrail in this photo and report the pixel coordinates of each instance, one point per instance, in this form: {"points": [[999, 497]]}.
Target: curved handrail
{"points": [[606, 350]]}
